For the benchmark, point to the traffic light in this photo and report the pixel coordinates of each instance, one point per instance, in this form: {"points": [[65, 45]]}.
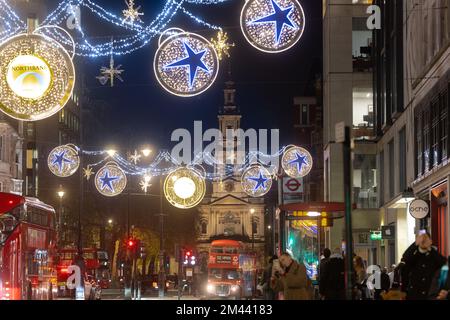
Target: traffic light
{"points": [[189, 257], [131, 243]]}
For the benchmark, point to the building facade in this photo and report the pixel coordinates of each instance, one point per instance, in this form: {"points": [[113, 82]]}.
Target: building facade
{"points": [[412, 106], [11, 141], [348, 98], [228, 212]]}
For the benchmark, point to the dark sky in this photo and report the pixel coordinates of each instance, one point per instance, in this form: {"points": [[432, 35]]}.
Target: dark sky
{"points": [[140, 111]]}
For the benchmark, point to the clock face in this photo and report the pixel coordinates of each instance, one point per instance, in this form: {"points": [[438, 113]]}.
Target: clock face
{"points": [[229, 186]]}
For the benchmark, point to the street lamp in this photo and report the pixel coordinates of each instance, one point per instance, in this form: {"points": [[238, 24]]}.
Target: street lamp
{"points": [[110, 221], [146, 152], [111, 152], [61, 196]]}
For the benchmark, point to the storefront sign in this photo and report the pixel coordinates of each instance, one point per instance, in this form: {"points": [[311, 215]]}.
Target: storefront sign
{"points": [[388, 232], [419, 209]]}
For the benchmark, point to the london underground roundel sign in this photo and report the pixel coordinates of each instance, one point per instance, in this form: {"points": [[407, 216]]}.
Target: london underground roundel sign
{"points": [[419, 209]]}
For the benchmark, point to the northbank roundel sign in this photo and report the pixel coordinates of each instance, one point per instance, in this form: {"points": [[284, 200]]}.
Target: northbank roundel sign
{"points": [[419, 209]]}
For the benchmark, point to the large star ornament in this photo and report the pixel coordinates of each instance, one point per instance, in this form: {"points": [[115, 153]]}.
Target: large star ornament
{"points": [[260, 182], [300, 161], [107, 181], [193, 61], [59, 160], [280, 17]]}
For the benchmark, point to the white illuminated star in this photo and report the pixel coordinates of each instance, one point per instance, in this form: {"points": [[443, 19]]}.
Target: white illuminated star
{"points": [[132, 14], [135, 157], [109, 74]]}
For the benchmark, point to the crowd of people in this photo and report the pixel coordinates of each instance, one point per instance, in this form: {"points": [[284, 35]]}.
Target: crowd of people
{"points": [[422, 274]]}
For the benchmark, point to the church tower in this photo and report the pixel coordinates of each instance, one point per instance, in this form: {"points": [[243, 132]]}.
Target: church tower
{"points": [[228, 212]]}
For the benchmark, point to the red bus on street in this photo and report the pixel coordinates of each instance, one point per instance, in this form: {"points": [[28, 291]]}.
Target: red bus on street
{"points": [[231, 270], [27, 249], [96, 262]]}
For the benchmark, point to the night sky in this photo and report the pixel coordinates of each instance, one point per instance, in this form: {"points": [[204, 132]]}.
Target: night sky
{"points": [[142, 112]]}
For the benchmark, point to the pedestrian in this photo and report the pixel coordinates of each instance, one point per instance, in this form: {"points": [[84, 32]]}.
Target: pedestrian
{"points": [[360, 278], [333, 277], [323, 261], [384, 284], [422, 261], [268, 292], [440, 285], [395, 292], [292, 279]]}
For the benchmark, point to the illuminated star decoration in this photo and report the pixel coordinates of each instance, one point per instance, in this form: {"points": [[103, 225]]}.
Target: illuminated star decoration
{"points": [[260, 181], [109, 74], [280, 17], [131, 13], [193, 61], [299, 161], [107, 181], [88, 172], [221, 45], [60, 160], [135, 157]]}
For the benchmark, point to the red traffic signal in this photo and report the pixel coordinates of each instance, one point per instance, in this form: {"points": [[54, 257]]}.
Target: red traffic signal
{"points": [[131, 243]]}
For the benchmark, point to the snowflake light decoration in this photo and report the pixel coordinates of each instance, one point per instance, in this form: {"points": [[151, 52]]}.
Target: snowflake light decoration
{"points": [[111, 73], [135, 157], [88, 173], [222, 45], [132, 14], [145, 183]]}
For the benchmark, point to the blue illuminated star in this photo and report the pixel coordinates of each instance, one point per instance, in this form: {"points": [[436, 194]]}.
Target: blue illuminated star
{"points": [[280, 17], [300, 161], [59, 160], [107, 181], [193, 61], [260, 182]]}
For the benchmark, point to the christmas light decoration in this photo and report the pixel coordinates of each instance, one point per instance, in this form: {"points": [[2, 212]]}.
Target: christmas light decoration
{"points": [[272, 25], [64, 161], [140, 37], [39, 77], [132, 14], [88, 172], [221, 45], [256, 181], [111, 73], [297, 162], [185, 64], [184, 188], [135, 157], [110, 180]]}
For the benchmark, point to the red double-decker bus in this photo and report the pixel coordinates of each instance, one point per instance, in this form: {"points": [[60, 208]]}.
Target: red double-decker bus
{"points": [[231, 270], [27, 249], [96, 263]]}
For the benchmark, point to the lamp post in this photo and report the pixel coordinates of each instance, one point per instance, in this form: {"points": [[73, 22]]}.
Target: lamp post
{"points": [[59, 229], [252, 212]]}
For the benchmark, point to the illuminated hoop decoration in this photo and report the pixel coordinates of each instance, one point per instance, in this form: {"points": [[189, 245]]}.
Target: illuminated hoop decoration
{"points": [[39, 76], [185, 64], [297, 162], [256, 181], [272, 26], [185, 188], [110, 180], [64, 161]]}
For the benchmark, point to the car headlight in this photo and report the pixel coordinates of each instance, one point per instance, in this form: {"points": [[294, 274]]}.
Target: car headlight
{"points": [[210, 288], [234, 288]]}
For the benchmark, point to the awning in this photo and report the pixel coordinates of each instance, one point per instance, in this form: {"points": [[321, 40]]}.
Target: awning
{"points": [[330, 210]]}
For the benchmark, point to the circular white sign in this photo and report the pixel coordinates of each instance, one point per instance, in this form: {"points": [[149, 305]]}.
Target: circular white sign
{"points": [[29, 76], [419, 209]]}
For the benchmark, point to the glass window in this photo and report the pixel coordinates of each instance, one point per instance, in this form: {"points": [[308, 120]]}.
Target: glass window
{"points": [[391, 170], [364, 181], [444, 125], [402, 158], [381, 178]]}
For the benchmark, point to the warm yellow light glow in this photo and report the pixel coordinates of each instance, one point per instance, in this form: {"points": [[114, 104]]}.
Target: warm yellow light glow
{"points": [[184, 188], [313, 214], [111, 152], [147, 178], [61, 194], [110, 221], [146, 152], [252, 211]]}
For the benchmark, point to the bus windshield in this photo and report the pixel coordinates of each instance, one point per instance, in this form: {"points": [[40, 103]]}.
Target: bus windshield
{"points": [[224, 274]]}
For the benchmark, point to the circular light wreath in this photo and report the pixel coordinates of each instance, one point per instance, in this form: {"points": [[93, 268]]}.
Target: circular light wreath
{"points": [[110, 180], [256, 181], [184, 188], [63, 161], [38, 77], [185, 64], [297, 162], [272, 26]]}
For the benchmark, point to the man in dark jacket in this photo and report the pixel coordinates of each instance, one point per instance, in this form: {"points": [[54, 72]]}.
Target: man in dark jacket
{"points": [[332, 276], [326, 257], [422, 261]]}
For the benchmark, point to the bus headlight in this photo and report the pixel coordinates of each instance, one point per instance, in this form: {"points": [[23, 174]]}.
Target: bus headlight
{"points": [[210, 288], [234, 289]]}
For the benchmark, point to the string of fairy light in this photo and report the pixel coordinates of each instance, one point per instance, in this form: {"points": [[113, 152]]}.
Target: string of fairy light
{"points": [[141, 35]]}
